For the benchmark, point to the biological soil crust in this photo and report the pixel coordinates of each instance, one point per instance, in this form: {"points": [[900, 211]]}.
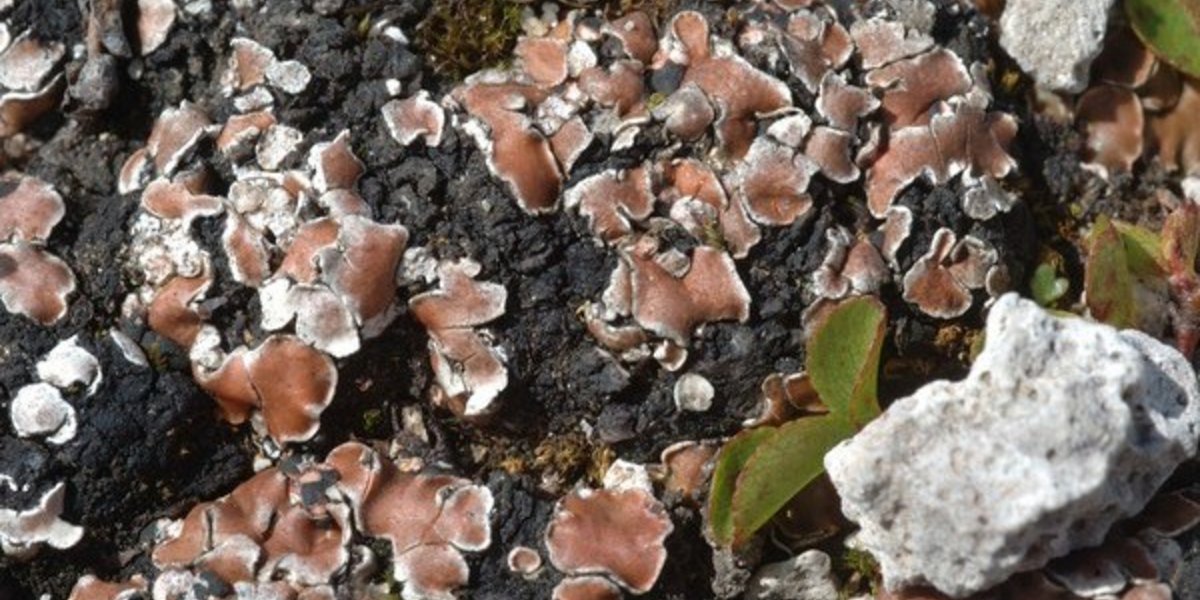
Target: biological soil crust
{"points": [[149, 444]]}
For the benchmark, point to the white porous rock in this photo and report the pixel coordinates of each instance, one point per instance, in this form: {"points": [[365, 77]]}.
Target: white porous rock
{"points": [[1062, 427], [693, 393], [804, 577], [1055, 41]]}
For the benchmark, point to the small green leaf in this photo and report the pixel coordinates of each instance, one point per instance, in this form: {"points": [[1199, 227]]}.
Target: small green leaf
{"points": [[1181, 239], [1108, 281], [730, 461], [843, 358], [1143, 250], [780, 467], [1047, 287], [1171, 28], [760, 470]]}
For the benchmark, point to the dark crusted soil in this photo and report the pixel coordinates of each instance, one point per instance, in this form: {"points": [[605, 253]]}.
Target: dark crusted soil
{"points": [[149, 444]]}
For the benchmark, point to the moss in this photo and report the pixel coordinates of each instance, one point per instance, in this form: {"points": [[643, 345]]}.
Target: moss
{"points": [[559, 452], [1009, 80], [372, 419], [364, 26], [955, 341], [565, 456], [601, 459], [157, 357], [657, 10], [655, 100], [909, 368], [513, 465], [505, 454], [862, 573], [460, 37], [861, 562], [712, 235]]}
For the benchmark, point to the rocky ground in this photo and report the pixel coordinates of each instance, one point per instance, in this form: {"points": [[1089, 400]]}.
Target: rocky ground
{"points": [[149, 442]]}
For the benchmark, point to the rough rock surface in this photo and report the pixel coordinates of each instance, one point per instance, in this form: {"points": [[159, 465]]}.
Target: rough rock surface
{"points": [[1062, 427], [1055, 41], [803, 577]]}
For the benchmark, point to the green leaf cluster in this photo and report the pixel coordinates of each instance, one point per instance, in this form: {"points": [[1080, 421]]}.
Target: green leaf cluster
{"points": [[759, 470], [1047, 286], [1121, 258], [1135, 276]]}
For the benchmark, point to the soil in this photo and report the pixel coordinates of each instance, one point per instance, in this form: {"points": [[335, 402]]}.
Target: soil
{"points": [[150, 445]]}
